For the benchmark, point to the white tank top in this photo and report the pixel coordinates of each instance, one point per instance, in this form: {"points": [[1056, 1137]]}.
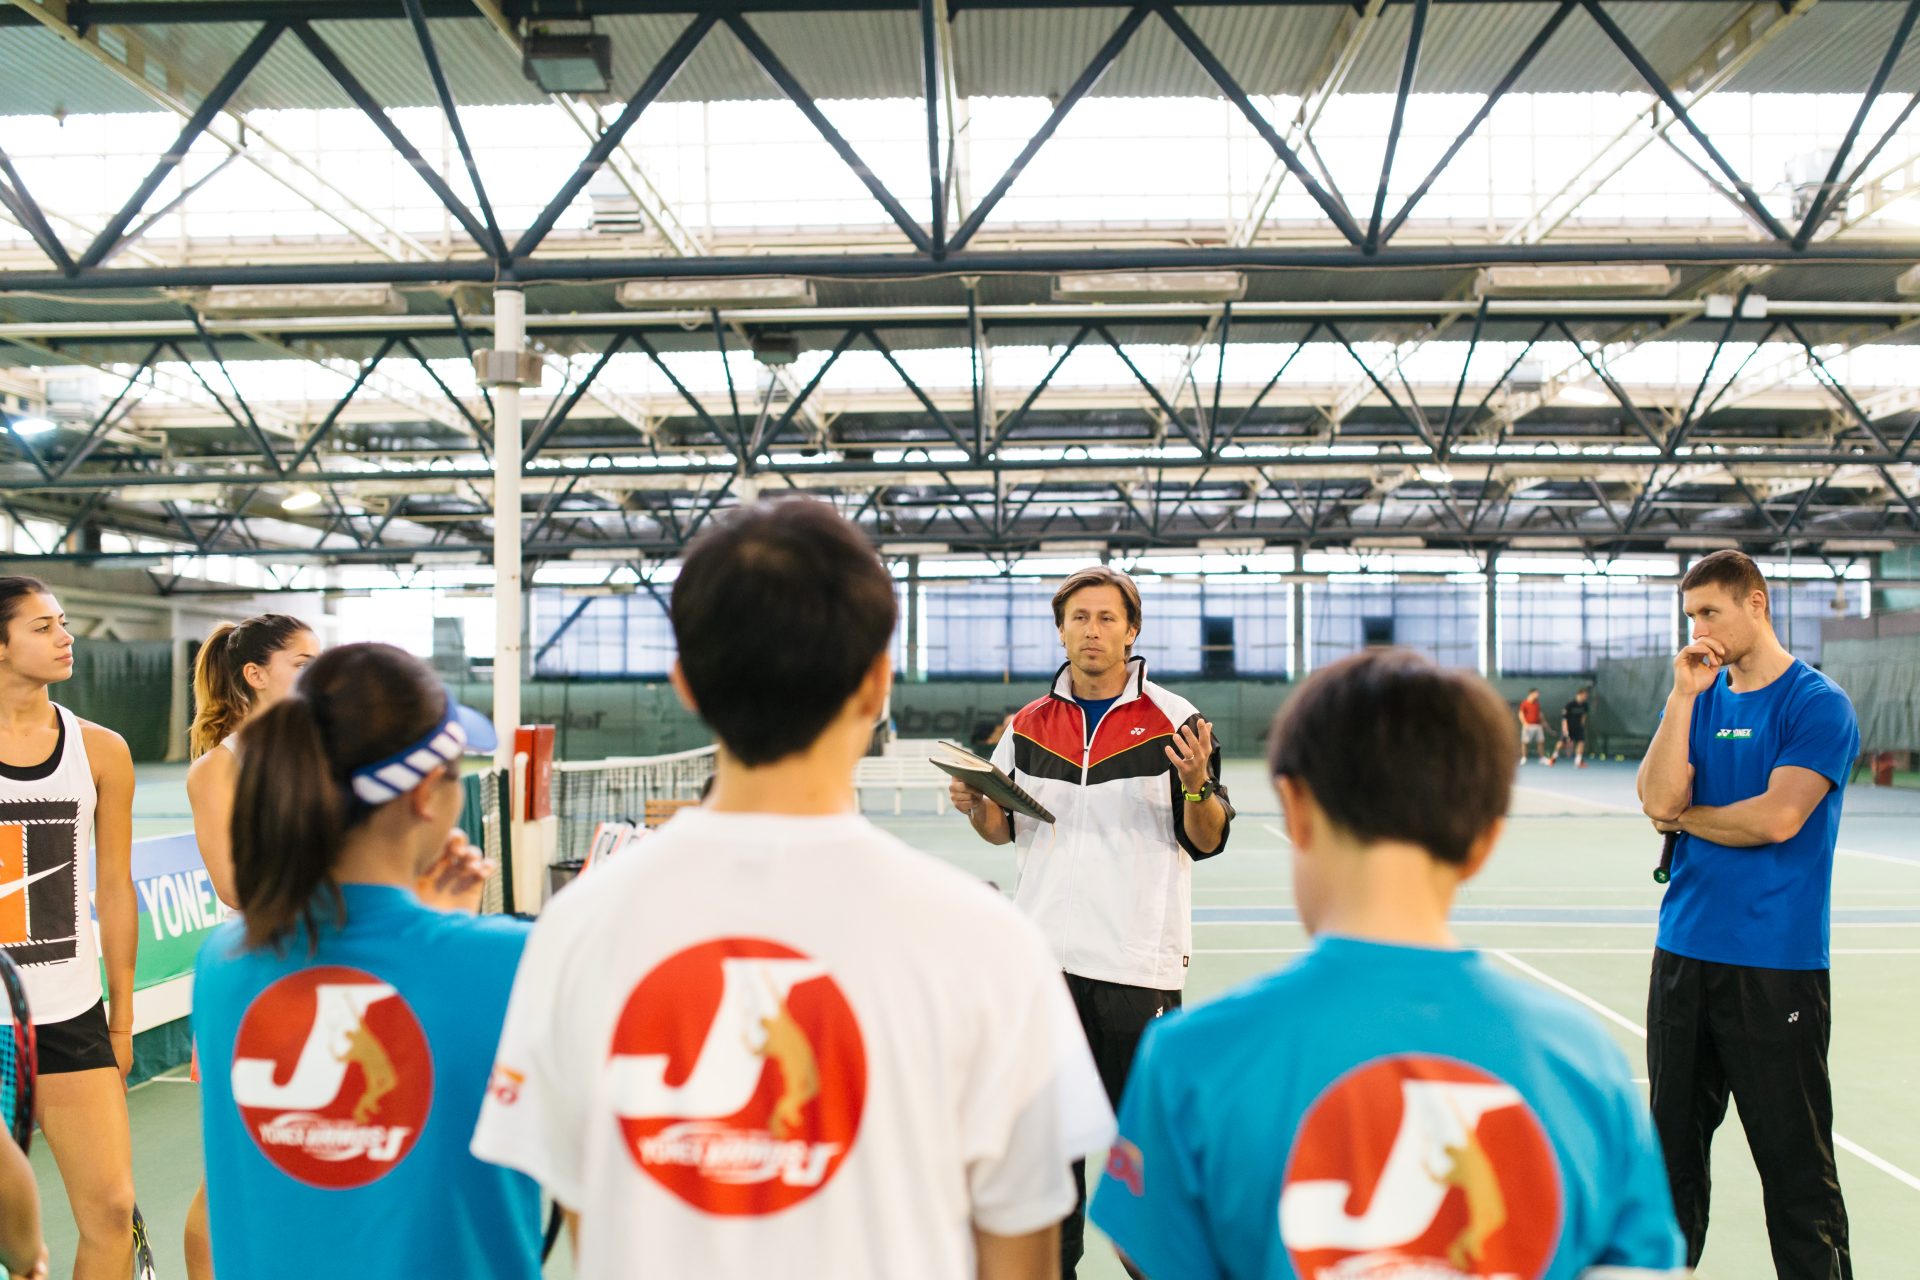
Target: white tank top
{"points": [[46, 872]]}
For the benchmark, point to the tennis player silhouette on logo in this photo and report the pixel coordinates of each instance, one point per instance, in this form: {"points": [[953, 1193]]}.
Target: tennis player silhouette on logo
{"points": [[1472, 1173], [689, 1076], [785, 1042], [333, 1076], [365, 1051]]}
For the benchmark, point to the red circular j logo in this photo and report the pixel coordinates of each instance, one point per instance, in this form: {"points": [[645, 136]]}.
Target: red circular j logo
{"points": [[738, 1076], [1417, 1165], [333, 1076]]}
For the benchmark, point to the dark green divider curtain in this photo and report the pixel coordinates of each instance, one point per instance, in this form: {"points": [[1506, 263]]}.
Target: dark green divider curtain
{"points": [[1882, 676], [126, 685]]}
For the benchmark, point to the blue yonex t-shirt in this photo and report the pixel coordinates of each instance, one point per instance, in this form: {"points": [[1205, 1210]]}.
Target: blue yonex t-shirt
{"points": [[339, 1090], [1094, 709], [1767, 906], [1377, 1110]]}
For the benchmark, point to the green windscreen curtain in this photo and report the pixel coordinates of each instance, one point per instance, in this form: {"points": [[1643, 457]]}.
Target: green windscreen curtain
{"points": [[1628, 694], [126, 685], [1882, 676]]}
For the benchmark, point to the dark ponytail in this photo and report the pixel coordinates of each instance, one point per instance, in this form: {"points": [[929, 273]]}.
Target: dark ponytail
{"points": [[221, 695], [293, 807]]}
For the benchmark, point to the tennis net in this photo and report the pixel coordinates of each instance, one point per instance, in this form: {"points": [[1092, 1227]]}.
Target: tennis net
{"points": [[587, 793]]}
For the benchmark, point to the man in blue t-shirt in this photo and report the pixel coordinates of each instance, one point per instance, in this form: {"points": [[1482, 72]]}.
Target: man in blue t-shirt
{"points": [[1748, 768], [1392, 1105]]}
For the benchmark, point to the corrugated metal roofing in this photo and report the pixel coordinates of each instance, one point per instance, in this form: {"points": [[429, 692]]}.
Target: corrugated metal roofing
{"points": [[41, 74], [1834, 48], [1273, 50]]}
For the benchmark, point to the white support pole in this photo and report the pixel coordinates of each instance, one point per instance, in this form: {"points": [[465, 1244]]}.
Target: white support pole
{"points": [[1490, 617], [510, 331]]}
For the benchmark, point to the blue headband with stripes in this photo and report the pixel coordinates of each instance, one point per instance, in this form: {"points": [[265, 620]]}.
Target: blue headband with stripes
{"points": [[389, 779]]}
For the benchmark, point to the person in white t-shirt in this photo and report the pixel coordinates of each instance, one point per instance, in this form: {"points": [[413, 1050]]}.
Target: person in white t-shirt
{"points": [[774, 1041]]}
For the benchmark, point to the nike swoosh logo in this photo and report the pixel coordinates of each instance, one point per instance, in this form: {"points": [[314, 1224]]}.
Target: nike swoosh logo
{"points": [[12, 887]]}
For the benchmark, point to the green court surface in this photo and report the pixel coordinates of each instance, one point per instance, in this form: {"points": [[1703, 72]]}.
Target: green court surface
{"points": [[1568, 901]]}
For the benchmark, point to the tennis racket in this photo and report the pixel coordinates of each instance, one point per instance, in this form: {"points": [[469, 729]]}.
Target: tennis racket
{"points": [[142, 1251], [1664, 872], [19, 1060]]}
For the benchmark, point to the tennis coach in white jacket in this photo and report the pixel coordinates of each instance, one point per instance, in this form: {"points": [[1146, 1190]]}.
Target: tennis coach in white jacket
{"points": [[1132, 776]]}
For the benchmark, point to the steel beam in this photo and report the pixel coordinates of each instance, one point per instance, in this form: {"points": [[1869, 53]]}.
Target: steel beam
{"points": [[483, 236], [913, 266], [1500, 90], [609, 141], [1082, 85], [777, 71], [250, 423], [216, 12], [495, 242], [1335, 210], [325, 428], [110, 236], [1731, 49], [1660, 88], [30, 215], [1823, 198], [1413, 421], [557, 415], [1409, 65]]}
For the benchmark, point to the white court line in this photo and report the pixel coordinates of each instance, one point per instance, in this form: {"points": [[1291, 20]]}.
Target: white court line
{"points": [[1269, 827], [1621, 808], [1887, 1167]]}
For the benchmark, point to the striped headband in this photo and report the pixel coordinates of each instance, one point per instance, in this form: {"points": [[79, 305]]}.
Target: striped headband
{"points": [[400, 773]]}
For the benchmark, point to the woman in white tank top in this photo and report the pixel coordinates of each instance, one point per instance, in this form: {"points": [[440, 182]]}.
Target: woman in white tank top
{"points": [[243, 668], [66, 785]]}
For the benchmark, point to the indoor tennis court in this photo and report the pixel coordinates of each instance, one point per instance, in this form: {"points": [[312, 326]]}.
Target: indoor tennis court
{"points": [[1568, 901], [1451, 326]]}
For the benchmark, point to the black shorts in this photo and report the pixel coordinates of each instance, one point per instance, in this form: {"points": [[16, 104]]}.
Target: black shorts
{"points": [[78, 1044], [1576, 734]]}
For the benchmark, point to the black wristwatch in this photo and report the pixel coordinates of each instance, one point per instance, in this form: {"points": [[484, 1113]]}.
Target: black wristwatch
{"points": [[1198, 797]]}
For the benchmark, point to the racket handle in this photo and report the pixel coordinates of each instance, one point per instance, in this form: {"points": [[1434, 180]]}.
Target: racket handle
{"points": [[1664, 872]]}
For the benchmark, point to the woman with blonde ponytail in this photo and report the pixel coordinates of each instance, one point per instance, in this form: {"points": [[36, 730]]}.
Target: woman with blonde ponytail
{"points": [[243, 668]]}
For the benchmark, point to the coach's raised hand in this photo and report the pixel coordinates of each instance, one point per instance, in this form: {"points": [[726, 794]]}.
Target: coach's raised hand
{"points": [[1190, 753]]}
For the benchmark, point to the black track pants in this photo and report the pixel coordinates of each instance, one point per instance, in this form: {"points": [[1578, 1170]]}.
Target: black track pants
{"points": [[1114, 1017], [1761, 1035]]}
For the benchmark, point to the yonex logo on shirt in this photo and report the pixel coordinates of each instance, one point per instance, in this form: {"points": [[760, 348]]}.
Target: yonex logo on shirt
{"points": [[1733, 733]]}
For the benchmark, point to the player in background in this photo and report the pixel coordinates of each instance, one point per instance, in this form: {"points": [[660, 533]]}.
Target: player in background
{"points": [[1573, 728], [1533, 729]]}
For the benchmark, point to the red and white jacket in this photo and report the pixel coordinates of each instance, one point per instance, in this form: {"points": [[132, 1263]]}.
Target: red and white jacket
{"points": [[1110, 882]]}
